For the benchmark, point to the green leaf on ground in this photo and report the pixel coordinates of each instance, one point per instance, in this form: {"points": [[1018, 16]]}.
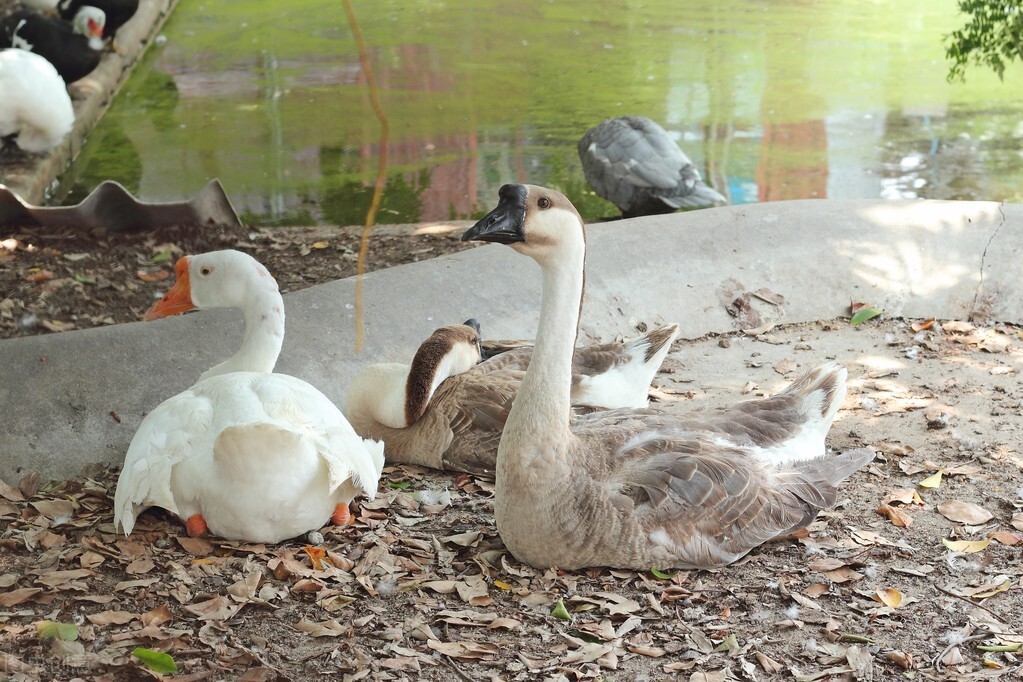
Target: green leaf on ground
{"points": [[156, 661], [49, 629], [865, 314], [560, 612]]}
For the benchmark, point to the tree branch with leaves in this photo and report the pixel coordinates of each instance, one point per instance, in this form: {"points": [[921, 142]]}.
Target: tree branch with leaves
{"points": [[992, 37]]}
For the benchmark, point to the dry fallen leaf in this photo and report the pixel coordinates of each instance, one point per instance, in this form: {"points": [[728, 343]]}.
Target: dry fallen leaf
{"points": [[15, 597], [923, 325], [466, 650], [889, 596], [932, 481], [1006, 538], [966, 546], [964, 512], [1017, 521], [899, 449], [56, 325], [897, 516], [111, 617], [153, 275], [816, 590], [219, 608], [900, 658], [903, 496], [327, 628], [785, 366], [38, 276], [987, 590]]}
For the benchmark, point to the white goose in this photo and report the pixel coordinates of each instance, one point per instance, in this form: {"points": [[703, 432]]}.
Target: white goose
{"points": [[445, 411], [34, 103], [249, 454], [637, 488]]}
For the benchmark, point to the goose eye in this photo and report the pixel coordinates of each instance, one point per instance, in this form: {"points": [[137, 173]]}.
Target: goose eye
{"points": [[205, 271], [543, 202]]}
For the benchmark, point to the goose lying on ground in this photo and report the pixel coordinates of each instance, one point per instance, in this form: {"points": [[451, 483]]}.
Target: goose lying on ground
{"points": [[637, 488], [445, 411], [633, 163], [247, 453], [74, 48], [34, 104]]}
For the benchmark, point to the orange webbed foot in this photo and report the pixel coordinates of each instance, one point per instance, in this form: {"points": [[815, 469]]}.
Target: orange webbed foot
{"points": [[195, 526], [342, 516]]}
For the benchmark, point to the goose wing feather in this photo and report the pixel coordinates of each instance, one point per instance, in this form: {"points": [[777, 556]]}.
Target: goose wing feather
{"points": [[295, 405], [477, 416], [701, 494], [166, 437]]}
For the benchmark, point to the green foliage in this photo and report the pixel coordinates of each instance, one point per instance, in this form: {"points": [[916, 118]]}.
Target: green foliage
{"points": [[865, 314], [560, 612], [156, 661], [48, 629], [992, 37]]}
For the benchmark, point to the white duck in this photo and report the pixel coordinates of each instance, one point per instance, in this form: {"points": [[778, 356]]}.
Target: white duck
{"points": [[34, 103], [637, 488], [633, 163], [445, 411], [249, 454]]}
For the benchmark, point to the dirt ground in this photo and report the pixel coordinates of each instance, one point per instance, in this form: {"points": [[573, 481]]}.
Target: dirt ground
{"points": [[58, 280], [914, 575]]}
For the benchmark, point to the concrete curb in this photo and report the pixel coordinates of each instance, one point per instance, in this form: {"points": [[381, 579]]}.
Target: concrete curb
{"points": [[71, 399], [91, 97]]}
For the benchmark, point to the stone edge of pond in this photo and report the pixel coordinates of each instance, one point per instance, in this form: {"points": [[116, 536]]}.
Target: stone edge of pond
{"points": [[91, 97]]}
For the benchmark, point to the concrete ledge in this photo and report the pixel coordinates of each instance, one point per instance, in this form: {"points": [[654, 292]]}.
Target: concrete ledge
{"points": [[950, 260], [91, 97]]}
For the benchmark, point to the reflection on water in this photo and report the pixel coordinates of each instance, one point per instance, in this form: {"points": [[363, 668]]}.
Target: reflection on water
{"points": [[772, 100]]}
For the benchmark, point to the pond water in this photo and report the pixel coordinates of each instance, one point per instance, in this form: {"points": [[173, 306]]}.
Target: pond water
{"points": [[772, 100]]}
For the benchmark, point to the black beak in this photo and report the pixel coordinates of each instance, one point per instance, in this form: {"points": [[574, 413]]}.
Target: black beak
{"points": [[504, 224]]}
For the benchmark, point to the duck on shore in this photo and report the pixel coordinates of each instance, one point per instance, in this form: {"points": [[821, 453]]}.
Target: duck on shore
{"points": [[246, 453], [640, 488], [447, 409], [35, 108]]}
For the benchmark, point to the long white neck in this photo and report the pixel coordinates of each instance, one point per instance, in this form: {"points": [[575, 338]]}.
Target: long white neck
{"points": [[542, 408], [264, 335]]}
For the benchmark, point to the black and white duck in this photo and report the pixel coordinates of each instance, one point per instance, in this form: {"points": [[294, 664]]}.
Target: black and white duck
{"points": [[74, 49], [118, 12]]}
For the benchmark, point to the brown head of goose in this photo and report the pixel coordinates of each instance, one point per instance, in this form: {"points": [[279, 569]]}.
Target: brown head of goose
{"points": [[638, 488], [445, 411]]}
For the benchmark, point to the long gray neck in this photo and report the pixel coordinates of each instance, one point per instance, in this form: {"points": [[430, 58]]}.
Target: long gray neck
{"points": [[264, 335]]}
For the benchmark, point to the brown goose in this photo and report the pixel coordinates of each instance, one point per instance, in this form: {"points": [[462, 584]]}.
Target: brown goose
{"points": [[445, 411], [638, 488]]}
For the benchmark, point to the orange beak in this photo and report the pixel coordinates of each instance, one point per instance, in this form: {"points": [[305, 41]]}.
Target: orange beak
{"points": [[176, 301]]}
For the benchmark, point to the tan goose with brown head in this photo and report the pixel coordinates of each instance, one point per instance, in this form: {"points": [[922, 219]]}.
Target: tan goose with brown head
{"points": [[638, 488], [445, 411]]}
